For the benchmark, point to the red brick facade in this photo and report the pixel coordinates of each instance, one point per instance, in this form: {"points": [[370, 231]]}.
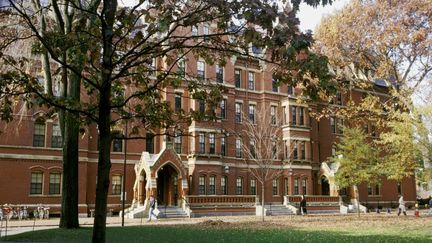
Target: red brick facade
{"points": [[194, 172]]}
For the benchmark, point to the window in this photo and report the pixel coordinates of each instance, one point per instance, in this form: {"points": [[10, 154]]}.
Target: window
{"points": [[223, 107], [224, 185], [369, 188], [252, 109], [296, 186], [202, 185], [178, 102], [238, 112], [290, 90], [200, 70], [275, 187], [252, 148], [36, 183], [219, 74], [274, 150], [295, 150], [223, 145], [201, 106], [253, 186], [116, 184], [238, 148], [273, 114], [373, 130], [334, 150], [212, 185], [237, 78], [377, 189], [206, 32], [212, 149], [178, 143], [251, 80], [304, 183], [54, 183], [201, 143], [399, 188], [181, 68], [56, 139], [303, 150], [332, 125], [284, 115], [239, 186], [301, 116], [152, 68], [286, 186], [293, 115], [39, 134], [117, 142], [275, 85], [338, 98], [150, 142], [340, 125], [194, 30]]}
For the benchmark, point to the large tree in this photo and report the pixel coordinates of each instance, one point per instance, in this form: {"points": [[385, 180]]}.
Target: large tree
{"points": [[388, 43], [108, 60], [357, 160]]}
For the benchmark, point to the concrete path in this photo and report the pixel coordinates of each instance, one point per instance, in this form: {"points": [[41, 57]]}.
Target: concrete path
{"points": [[21, 226]]}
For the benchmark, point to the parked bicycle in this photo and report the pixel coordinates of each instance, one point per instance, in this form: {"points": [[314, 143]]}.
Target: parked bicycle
{"points": [[41, 212]]}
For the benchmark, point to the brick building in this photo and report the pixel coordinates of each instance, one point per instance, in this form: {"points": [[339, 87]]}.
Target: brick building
{"points": [[203, 170]]}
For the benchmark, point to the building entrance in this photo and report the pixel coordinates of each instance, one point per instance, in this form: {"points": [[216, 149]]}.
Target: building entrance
{"points": [[167, 186], [325, 187]]}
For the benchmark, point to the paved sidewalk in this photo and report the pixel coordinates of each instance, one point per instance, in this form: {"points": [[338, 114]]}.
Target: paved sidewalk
{"points": [[21, 226]]}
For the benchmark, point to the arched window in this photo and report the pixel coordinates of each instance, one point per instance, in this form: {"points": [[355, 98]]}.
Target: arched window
{"points": [[212, 185], [202, 185], [117, 181], [253, 186], [39, 133], [117, 142], [224, 185], [36, 183], [286, 186], [54, 183], [275, 187], [56, 138], [304, 186], [239, 186]]}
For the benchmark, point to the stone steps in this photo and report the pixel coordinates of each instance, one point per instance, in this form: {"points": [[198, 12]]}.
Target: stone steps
{"points": [[171, 212], [276, 210]]}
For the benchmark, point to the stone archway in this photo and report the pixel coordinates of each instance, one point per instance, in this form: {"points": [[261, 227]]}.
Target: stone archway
{"points": [[168, 189], [325, 186], [328, 172]]}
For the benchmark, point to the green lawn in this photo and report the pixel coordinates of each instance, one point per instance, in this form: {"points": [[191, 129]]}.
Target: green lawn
{"points": [[308, 229]]}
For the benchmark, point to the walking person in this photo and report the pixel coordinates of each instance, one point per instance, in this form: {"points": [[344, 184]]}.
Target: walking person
{"points": [[151, 209], [430, 206], [303, 209], [401, 206]]}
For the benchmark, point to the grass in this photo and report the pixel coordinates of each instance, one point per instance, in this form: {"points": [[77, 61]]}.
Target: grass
{"points": [[275, 229]]}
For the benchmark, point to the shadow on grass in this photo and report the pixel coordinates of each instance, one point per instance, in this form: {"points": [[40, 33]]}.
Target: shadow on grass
{"points": [[194, 233]]}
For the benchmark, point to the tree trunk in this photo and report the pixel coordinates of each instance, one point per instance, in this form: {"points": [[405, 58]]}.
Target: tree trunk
{"points": [[70, 134], [69, 209], [262, 201], [104, 122], [104, 166], [358, 200]]}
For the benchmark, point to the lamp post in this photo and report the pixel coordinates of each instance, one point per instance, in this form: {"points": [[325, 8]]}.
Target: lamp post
{"points": [[124, 172]]}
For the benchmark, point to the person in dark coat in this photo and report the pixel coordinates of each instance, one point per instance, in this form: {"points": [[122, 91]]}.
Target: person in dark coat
{"points": [[152, 208], [303, 209]]}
